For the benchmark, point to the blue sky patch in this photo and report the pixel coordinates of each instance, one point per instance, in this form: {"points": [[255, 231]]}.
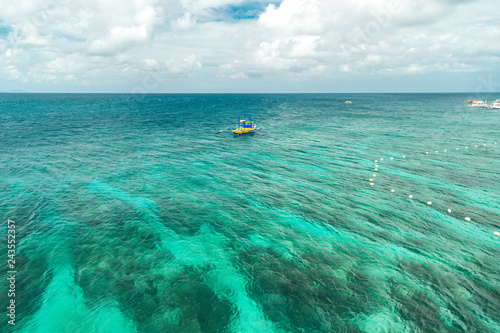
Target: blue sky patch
{"points": [[4, 31], [249, 10]]}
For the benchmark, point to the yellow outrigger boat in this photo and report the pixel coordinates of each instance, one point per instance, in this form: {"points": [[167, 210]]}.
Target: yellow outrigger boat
{"points": [[245, 125]]}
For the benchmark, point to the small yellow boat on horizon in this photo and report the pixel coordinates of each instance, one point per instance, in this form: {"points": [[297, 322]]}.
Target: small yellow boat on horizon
{"points": [[348, 102]]}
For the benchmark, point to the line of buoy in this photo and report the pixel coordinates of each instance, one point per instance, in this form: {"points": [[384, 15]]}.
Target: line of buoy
{"points": [[467, 218]]}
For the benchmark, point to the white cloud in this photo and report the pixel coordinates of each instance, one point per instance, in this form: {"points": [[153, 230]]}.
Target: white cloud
{"points": [[118, 42], [184, 22], [183, 67], [120, 39], [294, 16]]}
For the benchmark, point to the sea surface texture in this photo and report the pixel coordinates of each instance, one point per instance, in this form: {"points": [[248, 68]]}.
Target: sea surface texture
{"points": [[133, 215]]}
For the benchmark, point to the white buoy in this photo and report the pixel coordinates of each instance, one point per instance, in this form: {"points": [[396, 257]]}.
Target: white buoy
{"points": [[449, 210], [495, 143], [475, 146], [404, 156], [374, 175], [376, 161], [467, 219], [484, 144], [371, 179], [381, 159], [429, 202], [427, 152], [410, 196], [466, 147], [376, 169], [496, 233], [371, 184], [376, 165], [437, 151], [457, 148], [392, 191], [445, 150], [392, 158]]}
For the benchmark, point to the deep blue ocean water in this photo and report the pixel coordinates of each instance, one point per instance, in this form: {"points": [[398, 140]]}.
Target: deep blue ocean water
{"points": [[132, 215]]}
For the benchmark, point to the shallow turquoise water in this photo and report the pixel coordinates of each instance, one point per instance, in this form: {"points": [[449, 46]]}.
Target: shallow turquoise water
{"points": [[134, 216]]}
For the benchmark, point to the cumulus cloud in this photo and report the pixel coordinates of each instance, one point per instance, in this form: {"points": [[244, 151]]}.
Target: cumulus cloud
{"points": [[85, 43], [119, 39], [173, 67], [365, 36]]}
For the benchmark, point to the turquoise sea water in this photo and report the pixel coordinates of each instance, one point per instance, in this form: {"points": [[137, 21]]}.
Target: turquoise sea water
{"points": [[132, 215]]}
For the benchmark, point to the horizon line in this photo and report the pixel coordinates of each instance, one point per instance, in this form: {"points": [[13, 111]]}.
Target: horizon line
{"points": [[243, 93]]}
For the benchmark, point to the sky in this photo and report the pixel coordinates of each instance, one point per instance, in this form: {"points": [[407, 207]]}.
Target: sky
{"points": [[235, 46]]}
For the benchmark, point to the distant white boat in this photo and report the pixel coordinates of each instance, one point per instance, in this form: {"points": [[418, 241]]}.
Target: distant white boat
{"points": [[495, 105], [477, 103]]}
